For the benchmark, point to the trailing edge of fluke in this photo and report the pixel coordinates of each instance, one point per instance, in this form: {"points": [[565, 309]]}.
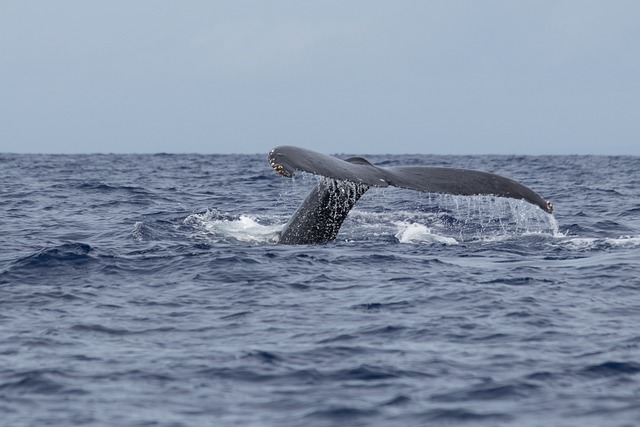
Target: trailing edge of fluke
{"points": [[319, 217]]}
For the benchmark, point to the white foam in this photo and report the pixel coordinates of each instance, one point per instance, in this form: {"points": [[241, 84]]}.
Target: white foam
{"points": [[625, 241], [595, 242], [415, 232], [244, 228], [137, 233]]}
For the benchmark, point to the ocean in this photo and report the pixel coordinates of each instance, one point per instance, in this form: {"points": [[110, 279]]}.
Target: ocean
{"points": [[149, 290]]}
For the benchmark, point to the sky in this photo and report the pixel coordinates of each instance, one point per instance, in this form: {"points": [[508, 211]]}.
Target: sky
{"points": [[360, 77]]}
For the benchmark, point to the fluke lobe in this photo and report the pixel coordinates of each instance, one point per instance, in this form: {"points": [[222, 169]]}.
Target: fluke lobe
{"points": [[319, 217]]}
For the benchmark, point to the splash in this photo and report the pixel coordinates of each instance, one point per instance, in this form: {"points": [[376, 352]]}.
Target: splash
{"points": [[414, 232], [555, 228], [431, 218], [446, 218], [492, 216], [217, 227]]}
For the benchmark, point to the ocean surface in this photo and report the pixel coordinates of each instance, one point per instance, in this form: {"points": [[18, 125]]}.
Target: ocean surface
{"points": [[149, 290]]}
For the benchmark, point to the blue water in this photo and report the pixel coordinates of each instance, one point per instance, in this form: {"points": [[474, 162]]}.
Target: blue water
{"points": [[148, 290]]}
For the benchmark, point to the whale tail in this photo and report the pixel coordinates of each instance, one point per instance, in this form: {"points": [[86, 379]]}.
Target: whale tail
{"points": [[321, 214], [319, 218]]}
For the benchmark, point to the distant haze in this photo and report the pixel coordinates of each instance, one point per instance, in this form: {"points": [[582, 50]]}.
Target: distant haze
{"points": [[442, 77]]}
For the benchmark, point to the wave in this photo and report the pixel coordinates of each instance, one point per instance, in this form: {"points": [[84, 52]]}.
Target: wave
{"points": [[37, 381], [143, 231], [103, 187], [42, 265], [68, 253], [102, 329], [612, 368]]}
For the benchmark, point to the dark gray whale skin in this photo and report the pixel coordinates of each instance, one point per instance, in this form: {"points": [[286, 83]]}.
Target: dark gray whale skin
{"points": [[321, 214]]}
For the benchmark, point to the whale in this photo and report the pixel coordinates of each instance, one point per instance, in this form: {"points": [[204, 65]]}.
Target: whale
{"points": [[319, 217]]}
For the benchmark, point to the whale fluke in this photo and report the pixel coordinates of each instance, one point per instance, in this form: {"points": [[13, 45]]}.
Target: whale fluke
{"points": [[319, 217]]}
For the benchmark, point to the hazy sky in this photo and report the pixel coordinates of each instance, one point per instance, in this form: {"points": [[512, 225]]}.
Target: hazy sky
{"points": [[443, 77]]}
